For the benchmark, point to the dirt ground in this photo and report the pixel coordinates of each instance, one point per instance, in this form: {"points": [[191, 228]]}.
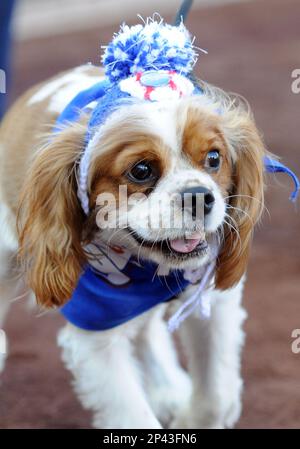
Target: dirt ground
{"points": [[253, 48]]}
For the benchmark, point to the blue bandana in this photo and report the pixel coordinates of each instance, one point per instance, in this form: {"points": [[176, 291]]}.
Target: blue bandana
{"points": [[104, 300]]}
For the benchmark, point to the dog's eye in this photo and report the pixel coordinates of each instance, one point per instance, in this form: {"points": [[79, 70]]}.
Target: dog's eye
{"points": [[142, 172], [213, 160]]}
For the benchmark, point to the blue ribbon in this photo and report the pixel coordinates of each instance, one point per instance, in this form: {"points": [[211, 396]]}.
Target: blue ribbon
{"points": [[73, 110], [274, 166]]}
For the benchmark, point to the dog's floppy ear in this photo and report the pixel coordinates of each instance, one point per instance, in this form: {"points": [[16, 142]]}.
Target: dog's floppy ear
{"points": [[50, 219], [246, 199]]}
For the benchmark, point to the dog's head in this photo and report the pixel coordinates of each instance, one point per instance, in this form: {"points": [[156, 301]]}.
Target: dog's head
{"points": [[206, 147]]}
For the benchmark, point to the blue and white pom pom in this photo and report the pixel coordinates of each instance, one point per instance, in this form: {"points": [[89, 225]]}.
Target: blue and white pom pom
{"points": [[152, 46]]}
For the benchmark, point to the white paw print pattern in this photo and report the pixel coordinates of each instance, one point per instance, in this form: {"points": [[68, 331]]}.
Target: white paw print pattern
{"points": [[109, 266]]}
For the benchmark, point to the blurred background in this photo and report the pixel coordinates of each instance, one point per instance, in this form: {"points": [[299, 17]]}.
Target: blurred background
{"points": [[253, 47]]}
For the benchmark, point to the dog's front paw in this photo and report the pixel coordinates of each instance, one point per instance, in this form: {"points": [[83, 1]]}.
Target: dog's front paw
{"points": [[170, 404], [233, 413], [193, 420], [169, 400], [126, 420], [212, 415]]}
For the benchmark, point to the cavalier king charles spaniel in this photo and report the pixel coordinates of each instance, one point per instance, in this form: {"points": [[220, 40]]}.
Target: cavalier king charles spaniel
{"points": [[125, 366]]}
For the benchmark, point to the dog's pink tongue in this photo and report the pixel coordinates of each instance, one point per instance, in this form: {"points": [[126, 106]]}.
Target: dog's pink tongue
{"points": [[186, 245]]}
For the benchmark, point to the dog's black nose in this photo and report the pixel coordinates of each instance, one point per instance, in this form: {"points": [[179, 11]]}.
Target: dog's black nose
{"points": [[190, 198]]}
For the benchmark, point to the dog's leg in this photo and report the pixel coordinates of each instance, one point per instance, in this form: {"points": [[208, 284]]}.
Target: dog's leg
{"points": [[106, 377], [8, 285], [167, 384], [213, 347]]}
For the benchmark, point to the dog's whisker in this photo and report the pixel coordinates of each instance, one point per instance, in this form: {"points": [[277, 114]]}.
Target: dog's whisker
{"points": [[260, 202], [239, 210], [234, 228]]}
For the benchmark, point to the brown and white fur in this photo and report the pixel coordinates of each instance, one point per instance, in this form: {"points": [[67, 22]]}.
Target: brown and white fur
{"points": [[130, 376]]}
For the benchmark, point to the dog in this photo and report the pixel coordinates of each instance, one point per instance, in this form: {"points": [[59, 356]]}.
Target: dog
{"points": [[128, 373]]}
